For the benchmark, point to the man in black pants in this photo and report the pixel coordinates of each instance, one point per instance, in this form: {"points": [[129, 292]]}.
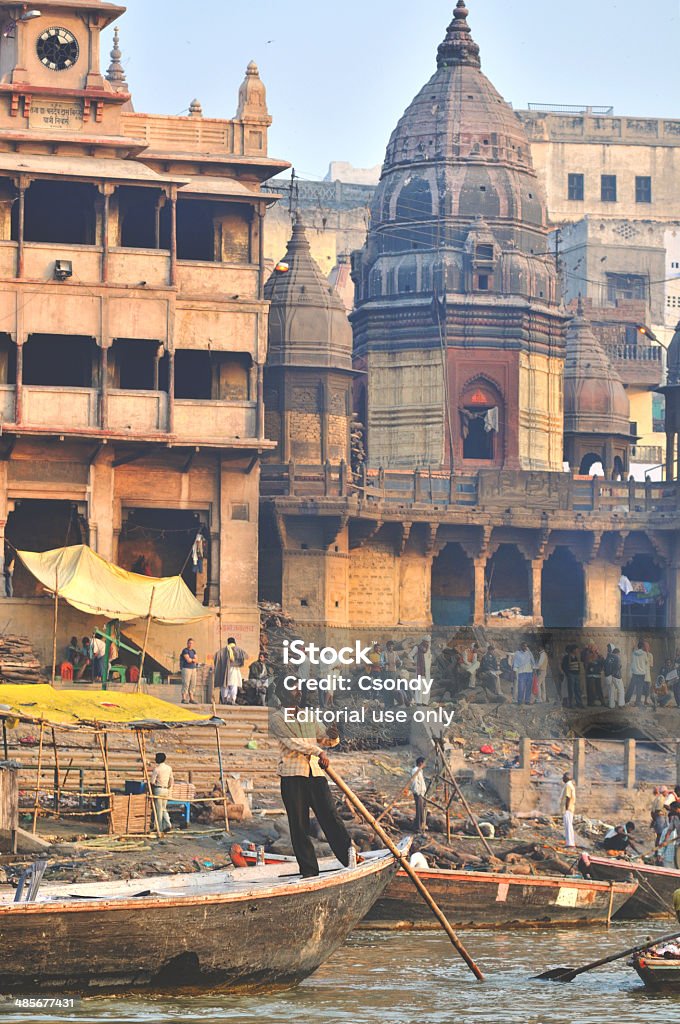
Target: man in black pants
{"points": [[304, 785]]}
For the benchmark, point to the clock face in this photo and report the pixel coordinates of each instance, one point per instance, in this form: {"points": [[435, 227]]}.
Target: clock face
{"points": [[57, 49]]}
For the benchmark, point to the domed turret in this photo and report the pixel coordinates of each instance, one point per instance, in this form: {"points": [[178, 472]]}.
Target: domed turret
{"points": [[460, 215], [596, 406], [308, 373]]}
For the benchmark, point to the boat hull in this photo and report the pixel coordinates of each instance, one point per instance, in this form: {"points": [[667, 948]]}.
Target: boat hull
{"points": [[658, 974], [654, 896], [266, 939], [479, 900]]}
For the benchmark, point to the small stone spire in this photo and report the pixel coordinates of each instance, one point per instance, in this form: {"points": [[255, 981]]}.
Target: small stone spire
{"points": [[252, 96], [458, 47], [116, 72], [195, 109]]}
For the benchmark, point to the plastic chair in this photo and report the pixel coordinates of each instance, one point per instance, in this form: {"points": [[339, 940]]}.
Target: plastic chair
{"points": [[66, 671]]}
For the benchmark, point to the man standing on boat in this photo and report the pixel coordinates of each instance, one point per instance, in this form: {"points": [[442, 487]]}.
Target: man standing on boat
{"points": [[568, 803], [162, 781], [304, 785]]}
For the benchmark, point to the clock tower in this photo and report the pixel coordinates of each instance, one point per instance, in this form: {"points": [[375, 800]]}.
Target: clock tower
{"points": [[50, 69]]}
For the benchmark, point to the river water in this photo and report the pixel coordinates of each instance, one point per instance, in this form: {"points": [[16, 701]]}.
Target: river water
{"points": [[417, 978]]}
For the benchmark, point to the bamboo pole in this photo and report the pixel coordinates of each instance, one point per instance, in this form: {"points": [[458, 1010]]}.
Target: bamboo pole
{"points": [[382, 835], [459, 793], [146, 640], [223, 781], [57, 780], [36, 802], [54, 626], [4, 740], [142, 754], [107, 780]]}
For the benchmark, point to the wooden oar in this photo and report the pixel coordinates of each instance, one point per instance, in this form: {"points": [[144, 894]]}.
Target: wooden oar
{"points": [[383, 836], [569, 973]]}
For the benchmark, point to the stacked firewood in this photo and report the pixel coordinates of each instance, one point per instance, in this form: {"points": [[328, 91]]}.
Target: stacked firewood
{"points": [[18, 663]]}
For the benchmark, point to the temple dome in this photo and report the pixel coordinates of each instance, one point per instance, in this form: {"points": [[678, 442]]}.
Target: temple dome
{"points": [[595, 400], [308, 322], [459, 152]]}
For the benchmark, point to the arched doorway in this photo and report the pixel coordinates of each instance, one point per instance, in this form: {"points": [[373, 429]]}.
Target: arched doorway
{"points": [[643, 594], [562, 590], [591, 465], [507, 581], [453, 584], [482, 422]]}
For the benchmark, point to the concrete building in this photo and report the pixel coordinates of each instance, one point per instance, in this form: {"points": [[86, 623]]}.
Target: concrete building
{"points": [[449, 526], [134, 323]]}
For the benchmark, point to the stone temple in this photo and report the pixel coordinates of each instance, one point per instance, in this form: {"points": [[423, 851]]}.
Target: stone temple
{"points": [[485, 406]]}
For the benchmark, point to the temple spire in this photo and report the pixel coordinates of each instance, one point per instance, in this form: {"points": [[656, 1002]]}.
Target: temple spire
{"points": [[458, 47], [116, 72]]}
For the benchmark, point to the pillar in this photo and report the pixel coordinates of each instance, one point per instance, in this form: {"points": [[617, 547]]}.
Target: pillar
{"points": [[677, 763], [525, 752], [260, 251], [579, 770], [479, 612], [19, 385], [104, 388], [21, 223], [107, 191], [173, 240], [171, 392], [629, 768], [536, 583]]}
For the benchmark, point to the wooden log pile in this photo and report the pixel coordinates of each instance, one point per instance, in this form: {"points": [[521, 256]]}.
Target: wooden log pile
{"points": [[18, 662]]}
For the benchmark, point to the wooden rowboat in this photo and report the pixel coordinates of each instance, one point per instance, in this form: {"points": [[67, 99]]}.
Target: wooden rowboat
{"points": [[476, 899], [657, 972], [654, 896], [249, 928]]}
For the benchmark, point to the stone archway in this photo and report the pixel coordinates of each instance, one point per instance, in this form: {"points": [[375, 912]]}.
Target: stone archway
{"points": [[482, 419], [563, 590], [507, 580], [453, 583]]}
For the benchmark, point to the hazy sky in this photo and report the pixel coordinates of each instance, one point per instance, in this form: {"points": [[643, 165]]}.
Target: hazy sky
{"points": [[340, 74]]}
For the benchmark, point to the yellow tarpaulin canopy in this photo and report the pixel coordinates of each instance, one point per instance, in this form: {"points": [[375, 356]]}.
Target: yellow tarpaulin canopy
{"points": [[70, 707], [88, 582]]}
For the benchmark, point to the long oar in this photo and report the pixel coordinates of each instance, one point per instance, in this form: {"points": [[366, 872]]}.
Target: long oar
{"points": [[569, 973], [383, 836]]}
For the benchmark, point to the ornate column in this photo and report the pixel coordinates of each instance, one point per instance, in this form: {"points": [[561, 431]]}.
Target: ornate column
{"points": [[171, 391], [107, 191], [260, 247], [173, 237]]}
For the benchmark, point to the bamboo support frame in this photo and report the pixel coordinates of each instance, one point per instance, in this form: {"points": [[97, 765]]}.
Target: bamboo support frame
{"points": [[223, 782], [5, 744], [57, 779], [54, 626], [101, 740], [142, 754], [146, 640], [36, 802]]}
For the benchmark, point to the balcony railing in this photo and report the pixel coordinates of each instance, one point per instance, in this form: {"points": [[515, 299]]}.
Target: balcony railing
{"points": [[423, 489], [650, 454]]}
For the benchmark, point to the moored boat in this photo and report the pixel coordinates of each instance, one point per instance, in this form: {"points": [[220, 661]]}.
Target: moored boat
{"points": [[249, 928], [476, 899], [658, 972], [657, 884]]}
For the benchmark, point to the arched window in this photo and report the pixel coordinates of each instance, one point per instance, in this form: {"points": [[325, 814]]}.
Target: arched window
{"points": [[407, 277], [481, 415], [562, 590], [415, 201]]}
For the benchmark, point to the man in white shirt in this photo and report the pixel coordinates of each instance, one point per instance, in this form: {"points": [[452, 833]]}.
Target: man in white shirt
{"points": [[523, 665], [98, 655], [568, 806], [419, 789], [541, 674], [162, 781]]}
